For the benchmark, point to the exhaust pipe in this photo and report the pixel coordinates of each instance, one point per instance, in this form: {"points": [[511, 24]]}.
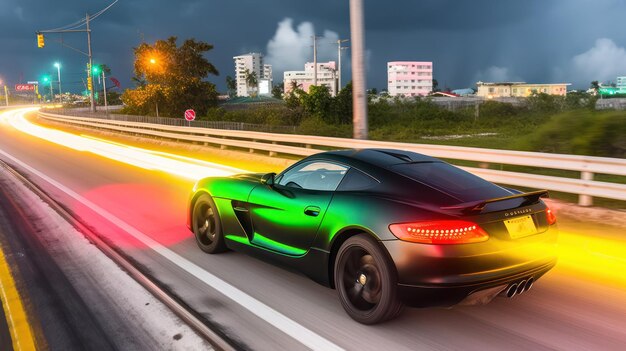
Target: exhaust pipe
{"points": [[520, 287], [529, 284], [511, 291]]}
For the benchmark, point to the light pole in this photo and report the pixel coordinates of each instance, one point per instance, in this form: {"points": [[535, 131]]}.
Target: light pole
{"points": [[58, 66], [104, 87], [339, 48], [359, 97], [6, 93]]}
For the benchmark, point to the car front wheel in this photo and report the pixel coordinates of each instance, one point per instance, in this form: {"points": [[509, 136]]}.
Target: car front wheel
{"points": [[366, 281], [207, 226]]}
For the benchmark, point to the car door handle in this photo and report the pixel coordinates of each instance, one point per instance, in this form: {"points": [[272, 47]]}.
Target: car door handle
{"points": [[312, 211]]}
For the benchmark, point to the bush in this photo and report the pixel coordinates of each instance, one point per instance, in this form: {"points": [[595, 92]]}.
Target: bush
{"points": [[317, 126], [581, 132]]}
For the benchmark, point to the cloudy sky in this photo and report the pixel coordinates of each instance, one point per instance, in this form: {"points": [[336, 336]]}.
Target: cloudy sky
{"points": [[574, 41]]}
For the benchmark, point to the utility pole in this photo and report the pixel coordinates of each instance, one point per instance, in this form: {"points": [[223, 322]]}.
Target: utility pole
{"points": [[73, 28], [339, 48], [104, 87], [315, 60], [359, 98], [6, 94], [89, 74]]}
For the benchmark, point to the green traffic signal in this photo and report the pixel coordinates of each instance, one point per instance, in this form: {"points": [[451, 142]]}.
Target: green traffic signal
{"points": [[46, 79], [95, 69]]}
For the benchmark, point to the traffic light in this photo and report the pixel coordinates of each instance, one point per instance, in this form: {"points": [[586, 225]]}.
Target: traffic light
{"points": [[46, 79], [40, 40], [96, 70]]}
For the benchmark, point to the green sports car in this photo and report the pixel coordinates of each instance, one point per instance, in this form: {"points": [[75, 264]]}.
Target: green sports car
{"points": [[386, 228]]}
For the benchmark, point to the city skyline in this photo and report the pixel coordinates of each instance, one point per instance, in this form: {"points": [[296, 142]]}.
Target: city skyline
{"points": [[530, 41]]}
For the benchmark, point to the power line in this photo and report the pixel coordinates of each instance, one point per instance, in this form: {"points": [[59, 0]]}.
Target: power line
{"points": [[82, 22]]}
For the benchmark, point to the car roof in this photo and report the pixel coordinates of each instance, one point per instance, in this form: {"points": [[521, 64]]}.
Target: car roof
{"points": [[381, 157]]}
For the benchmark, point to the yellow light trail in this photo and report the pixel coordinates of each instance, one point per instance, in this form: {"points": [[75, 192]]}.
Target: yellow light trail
{"points": [[147, 159]]}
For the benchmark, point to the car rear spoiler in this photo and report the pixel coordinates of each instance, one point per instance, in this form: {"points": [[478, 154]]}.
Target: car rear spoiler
{"points": [[477, 206]]}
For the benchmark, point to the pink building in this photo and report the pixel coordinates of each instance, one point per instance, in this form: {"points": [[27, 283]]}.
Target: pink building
{"points": [[409, 78]]}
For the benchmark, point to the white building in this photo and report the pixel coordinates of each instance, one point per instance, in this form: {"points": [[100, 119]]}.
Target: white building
{"points": [[253, 62], [326, 75], [409, 78]]}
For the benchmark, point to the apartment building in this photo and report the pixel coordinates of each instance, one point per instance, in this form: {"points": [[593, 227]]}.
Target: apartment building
{"points": [[253, 62], [621, 85], [326, 75], [409, 78], [519, 89]]}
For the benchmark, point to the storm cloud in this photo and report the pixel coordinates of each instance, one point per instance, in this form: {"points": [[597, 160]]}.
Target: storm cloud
{"points": [[572, 41]]}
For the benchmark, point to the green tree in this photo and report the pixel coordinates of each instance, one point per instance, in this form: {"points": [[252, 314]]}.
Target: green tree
{"points": [[342, 105], [595, 85], [277, 91], [231, 85], [174, 78], [318, 102], [252, 81], [435, 86]]}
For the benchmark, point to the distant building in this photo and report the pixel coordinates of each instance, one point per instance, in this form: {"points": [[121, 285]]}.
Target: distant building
{"points": [[326, 75], [518, 89], [409, 78], [621, 85], [252, 62]]}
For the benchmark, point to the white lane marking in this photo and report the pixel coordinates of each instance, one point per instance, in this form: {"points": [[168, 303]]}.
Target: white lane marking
{"points": [[275, 318]]}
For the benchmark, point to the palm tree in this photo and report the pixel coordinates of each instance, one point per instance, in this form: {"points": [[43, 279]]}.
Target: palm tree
{"points": [[252, 81], [231, 85]]}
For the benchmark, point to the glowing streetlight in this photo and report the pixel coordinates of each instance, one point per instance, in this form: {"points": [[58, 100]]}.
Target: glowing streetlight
{"points": [[153, 61], [58, 66]]}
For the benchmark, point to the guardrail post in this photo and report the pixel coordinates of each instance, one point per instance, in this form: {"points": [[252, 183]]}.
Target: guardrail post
{"points": [[252, 150], [273, 153], [223, 147], [585, 200]]}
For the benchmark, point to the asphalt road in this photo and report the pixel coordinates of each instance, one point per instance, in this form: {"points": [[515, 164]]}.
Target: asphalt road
{"points": [[260, 306]]}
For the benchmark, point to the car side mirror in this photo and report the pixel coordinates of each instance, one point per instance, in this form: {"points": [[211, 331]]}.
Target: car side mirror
{"points": [[268, 179]]}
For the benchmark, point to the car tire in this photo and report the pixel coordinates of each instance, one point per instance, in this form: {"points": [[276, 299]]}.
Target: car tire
{"points": [[207, 226], [366, 281]]}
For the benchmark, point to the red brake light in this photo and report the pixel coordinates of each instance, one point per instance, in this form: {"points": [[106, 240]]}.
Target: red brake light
{"points": [[440, 232], [550, 216]]}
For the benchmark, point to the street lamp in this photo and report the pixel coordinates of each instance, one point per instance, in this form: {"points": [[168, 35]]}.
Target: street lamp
{"points": [[58, 66]]}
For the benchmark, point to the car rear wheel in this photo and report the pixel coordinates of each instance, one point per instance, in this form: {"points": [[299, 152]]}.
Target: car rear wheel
{"points": [[366, 281], [207, 226]]}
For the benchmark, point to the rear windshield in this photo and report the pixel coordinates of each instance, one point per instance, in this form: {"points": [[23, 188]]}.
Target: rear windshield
{"points": [[451, 180]]}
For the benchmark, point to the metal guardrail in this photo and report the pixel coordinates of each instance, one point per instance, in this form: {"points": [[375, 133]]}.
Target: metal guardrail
{"points": [[304, 145], [168, 121]]}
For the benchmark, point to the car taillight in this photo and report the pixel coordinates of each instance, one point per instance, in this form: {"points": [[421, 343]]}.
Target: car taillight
{"points": [[440, 232], [550, 216]]}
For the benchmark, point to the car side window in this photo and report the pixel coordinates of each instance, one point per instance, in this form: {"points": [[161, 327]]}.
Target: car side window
{"points": [[315, 175], [356, 180]]}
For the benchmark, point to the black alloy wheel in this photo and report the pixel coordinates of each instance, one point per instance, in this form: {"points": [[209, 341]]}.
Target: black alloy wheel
{"points": [[366, 281], [207, 226]]}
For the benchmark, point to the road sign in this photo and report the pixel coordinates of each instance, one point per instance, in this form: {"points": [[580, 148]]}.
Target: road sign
{"points": [[24, 87], [190, 115], [34, 82]]}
